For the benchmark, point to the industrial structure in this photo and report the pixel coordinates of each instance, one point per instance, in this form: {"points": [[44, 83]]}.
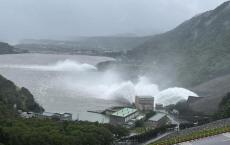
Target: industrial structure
{"points": [[123, 116], [144, 103], [47, 115], [159, 119], [159, 106], [193, 99]]}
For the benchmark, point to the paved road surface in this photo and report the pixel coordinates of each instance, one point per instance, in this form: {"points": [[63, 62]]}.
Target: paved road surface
{"points": [[222, 139]]}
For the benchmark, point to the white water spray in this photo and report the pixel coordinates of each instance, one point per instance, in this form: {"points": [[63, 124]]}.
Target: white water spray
{"points": [[65, 65], [82, 79]]}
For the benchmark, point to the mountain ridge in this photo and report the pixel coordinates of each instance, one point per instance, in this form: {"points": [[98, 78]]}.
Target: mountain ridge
{"points": [[5, 48], [13, 98], [194, 53], [191, 48]]}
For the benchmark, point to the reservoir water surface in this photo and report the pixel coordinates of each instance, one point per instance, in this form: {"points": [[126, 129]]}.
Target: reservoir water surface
{"points": [[58, 82]]}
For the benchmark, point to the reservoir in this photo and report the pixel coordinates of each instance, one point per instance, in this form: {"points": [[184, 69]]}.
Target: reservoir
{"points": [[59, 82], [73, 84]]}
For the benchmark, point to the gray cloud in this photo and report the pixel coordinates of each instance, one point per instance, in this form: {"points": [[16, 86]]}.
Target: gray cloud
{"points": [[59, 19]]}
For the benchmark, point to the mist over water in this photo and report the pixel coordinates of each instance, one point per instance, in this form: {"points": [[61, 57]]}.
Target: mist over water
{"points": [[110, 86], [84, 79], [72, 83], [66, 65]]}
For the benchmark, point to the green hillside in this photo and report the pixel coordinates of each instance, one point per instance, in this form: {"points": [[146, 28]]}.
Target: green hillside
{"points": [[196, 51], [12, 96], [15, 130], [48, 132], [5, 48]]}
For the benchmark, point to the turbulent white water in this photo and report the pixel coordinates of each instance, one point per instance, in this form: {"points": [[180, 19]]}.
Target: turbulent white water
{"points": [[66, 65], [107, 85], [173, 95], [67, 83]]}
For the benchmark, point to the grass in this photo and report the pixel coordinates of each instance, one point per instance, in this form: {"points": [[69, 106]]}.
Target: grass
{"points": [[139, 130], [193, 136]]}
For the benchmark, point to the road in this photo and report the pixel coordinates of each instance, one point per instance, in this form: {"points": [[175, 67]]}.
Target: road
{"points": [[222, 139]]}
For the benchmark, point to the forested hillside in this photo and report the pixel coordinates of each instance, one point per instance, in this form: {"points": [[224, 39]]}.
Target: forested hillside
{"points": [[15, 130], [48, 132], [13, 98], [5, 48], [196, 51]]}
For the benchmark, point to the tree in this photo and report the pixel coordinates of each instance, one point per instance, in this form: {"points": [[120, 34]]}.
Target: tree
{"points": [[224, 108], [139, 123]]}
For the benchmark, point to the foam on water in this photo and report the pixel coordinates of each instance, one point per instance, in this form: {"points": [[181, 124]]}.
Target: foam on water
{"points": [[83, 79], [65, 65], [110, 86], [173, 95]]}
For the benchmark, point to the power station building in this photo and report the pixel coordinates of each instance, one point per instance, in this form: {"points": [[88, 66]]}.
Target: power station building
{"points": [[144, 103], [123, 116], [159, 106], [159, 119]]}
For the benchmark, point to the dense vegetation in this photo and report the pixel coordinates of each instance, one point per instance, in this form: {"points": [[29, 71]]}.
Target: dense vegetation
{"points": [[13, 98], [224, 108], [7, 49], [48, 132], [18, 131]]}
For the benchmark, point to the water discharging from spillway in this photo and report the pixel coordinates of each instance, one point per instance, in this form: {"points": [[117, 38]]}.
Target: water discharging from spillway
{"points": [[72, 83], [85, 80]]}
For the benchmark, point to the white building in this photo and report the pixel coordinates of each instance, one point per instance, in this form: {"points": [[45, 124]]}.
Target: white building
{"points": [[47, 115], [66, 116], [27, 114], [144, 103]]}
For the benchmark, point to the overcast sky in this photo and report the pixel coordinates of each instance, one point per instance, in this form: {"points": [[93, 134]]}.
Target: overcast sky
{"points": [[59, 19]]}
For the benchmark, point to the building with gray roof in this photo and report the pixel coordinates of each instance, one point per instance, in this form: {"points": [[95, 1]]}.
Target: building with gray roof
{"points": [[159, 119]]}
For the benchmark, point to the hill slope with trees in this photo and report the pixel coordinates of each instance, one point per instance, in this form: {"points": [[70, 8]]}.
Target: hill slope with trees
{"points": [[194, 55], [13, 98], [15, 130], [194, 52], [5, 48]]}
